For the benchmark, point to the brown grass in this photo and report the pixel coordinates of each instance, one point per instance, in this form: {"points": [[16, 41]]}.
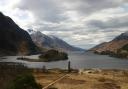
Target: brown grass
{"points": [[107, 79], [71, 81], [106, 86]]}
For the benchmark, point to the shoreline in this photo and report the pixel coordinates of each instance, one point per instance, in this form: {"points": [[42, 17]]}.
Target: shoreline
{"points": [[92, 78], [30, 67], [40, 60]]}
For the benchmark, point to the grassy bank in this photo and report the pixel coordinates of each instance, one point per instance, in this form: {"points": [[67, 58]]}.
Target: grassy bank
{"points": [[85, 79], [16, 76]]}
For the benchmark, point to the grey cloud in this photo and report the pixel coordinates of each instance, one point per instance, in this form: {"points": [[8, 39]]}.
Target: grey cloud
{"points": [[117, 22], [87, 7], [47, 10], [55, 11]]}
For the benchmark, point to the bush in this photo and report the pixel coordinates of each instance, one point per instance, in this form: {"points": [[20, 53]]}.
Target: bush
{"points": [[25, 81], [9, 71]]}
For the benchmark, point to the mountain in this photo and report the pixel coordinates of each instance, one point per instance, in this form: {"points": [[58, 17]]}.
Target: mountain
{"points": [[123, 36], [13, 39], [112, 46], [51, 42]]}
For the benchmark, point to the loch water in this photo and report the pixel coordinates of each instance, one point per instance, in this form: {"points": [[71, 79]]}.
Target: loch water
{"points": [[79, 60]]}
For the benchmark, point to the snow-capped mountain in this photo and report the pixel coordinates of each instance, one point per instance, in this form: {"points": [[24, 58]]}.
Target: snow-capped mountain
{"points": [[51, 42]]}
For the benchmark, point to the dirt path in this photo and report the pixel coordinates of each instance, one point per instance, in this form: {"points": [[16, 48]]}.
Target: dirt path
{"points": [[46, 87]]}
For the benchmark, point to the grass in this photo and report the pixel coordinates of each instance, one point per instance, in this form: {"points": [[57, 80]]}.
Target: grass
{"points": [[16, 76], [106, 79]]}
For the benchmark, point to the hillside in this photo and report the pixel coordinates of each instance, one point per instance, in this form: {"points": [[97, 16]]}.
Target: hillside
{"points": [[13, 39], [112, 46]]}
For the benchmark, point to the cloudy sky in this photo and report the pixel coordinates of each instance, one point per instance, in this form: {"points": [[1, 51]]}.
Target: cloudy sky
{"points": [[83, 23]]}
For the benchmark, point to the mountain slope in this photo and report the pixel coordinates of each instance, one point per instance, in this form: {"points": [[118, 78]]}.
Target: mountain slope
{"points": [[51, 42], [113, 45], [13, 39]]}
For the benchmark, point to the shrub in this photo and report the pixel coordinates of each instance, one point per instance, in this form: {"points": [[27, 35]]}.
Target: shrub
{"points": [[25, 81]]}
